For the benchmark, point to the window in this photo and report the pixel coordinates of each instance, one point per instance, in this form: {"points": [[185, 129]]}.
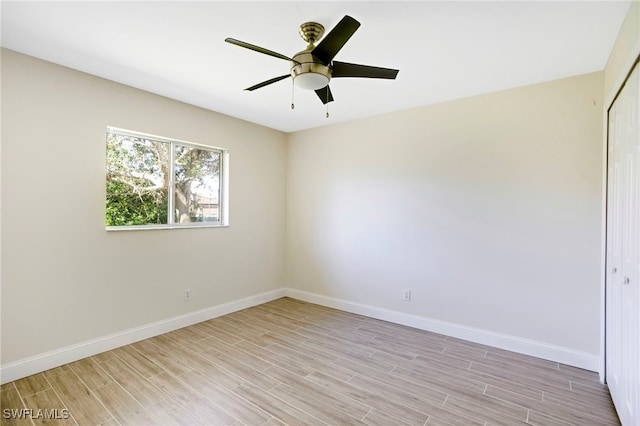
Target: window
{"points": [[155, 182]]}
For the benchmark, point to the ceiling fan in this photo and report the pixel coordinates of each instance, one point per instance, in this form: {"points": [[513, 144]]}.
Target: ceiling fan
{"points": [[313, 67]]}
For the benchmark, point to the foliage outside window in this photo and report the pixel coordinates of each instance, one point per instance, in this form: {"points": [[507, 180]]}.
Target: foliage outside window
{"points": [[157, 182]]}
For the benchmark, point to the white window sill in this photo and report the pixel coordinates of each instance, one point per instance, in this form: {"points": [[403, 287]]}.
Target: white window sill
{"points": [[162, 227]]}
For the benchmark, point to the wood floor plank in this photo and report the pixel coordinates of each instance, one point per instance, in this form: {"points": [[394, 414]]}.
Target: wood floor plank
{"points": [[139, 417], [193, 333], [118, 401], [47, 408], [82, 403], [273, 422], [449, 383], [371, 397], [143, 365], [596, 391], [240, 330], [11, 400], [483, 409], [169, 413], [284, 315], [301, 353], [241, 370], [32, 384], [348, 406], [406, 390], [487, 379], [165, 360], [571, 411], [110, 422], [411, 348], [288, 339], [442, 360], [435, 421], [143, 391], [242, 409], [602, 410], [542, 419], [540, 373], [271, 326], [413, 396], [212, 329], [178, 348], [104, 356], [316, 327], [283, 318], [309, 404], [227, 351], [523, 361], [275, 406], [337, 348], [579, 375], [318, 361], [179, 338], [217, 373], [190, 400], [526, 380], [249, 328], [275, 358], [164, 412], [376, 417], [471, 354], [91, 373], [449, 413], [401, 333], [57, 370], [352, 336], [289, 362]]}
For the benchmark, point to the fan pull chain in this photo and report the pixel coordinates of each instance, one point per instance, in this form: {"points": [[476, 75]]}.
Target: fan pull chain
{"points": [[327, 115], [293, 87]]}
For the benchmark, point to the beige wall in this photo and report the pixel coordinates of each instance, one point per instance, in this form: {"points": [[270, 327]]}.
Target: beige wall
{"points": [[488, 209], [65, 280]]}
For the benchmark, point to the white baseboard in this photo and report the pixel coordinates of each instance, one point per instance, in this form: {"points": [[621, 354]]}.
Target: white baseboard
{"points": [[32, 365], [516, 344]]}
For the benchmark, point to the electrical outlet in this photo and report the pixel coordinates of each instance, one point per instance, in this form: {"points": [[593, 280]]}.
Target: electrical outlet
{"points": [[406, 296], [187, 295]]}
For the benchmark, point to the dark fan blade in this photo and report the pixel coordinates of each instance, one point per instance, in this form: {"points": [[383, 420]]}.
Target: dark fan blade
{"points": [[325, 94], [331, 44], [256, 48], [344, 69], [268, 82]]}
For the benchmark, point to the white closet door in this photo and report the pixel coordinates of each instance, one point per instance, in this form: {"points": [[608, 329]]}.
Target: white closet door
{"points": [[614, 257], [623, 252]]}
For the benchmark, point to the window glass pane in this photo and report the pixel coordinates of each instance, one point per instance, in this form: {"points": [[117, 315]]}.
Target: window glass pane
{"points": [[137, 181], [197, 185]]}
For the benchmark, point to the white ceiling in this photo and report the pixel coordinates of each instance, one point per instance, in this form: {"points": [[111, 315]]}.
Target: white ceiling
{"points": [[444, 50]]}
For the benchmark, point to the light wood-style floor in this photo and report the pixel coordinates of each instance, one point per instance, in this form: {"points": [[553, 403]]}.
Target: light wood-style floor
{"points": [[291, 362]]}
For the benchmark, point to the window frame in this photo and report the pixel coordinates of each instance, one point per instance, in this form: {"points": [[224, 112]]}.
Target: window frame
{"points": [[223, 177]]}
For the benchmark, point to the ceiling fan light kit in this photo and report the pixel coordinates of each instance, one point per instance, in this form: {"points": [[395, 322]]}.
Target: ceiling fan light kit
{"points": [[313, 68], [308, 74], [310, 80]]}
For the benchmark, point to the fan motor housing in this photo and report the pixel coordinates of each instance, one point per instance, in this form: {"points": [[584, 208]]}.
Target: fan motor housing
{"points": [[308, 72]]}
